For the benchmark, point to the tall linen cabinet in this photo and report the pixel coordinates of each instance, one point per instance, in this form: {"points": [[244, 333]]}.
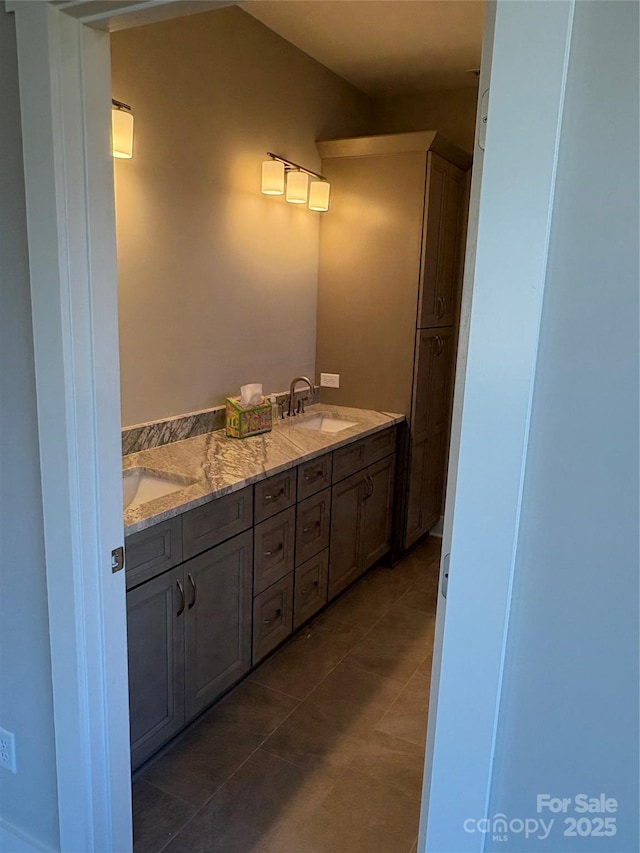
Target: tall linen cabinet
{"points": [[391, 251]]}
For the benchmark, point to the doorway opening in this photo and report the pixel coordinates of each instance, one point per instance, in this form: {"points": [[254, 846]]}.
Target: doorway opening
{"points": [[198, 249]]}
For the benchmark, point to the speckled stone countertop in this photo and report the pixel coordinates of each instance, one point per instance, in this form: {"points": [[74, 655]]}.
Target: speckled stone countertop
{"points": [[213, 465]]}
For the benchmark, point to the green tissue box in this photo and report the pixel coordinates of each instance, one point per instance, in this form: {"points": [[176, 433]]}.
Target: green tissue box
{"points": [[241, 422]]}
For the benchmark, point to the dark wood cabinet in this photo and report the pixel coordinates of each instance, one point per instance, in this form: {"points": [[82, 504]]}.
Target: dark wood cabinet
{"points": [[345, 557], [189, 639], [313, 520], [274, 549], [272, 617], [155, 612], [200, 615], [218, 590], [310, 588], [390, 277], [442, 227], [361, 521], [216, 521], [377, 515]]}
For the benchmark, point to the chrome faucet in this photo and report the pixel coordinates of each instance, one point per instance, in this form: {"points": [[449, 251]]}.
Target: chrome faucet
{"points": [[291, 412]]}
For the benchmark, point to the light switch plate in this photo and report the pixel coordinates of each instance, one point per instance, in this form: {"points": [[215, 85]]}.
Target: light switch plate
{"points": [[330, 380]]}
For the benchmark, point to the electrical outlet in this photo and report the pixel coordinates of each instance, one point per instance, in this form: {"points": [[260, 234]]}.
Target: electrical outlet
{"points": [[330, 380], [7, 750]]}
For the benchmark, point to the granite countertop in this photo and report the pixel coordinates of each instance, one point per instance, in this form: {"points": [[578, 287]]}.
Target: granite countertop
{"points": [[213, 465]]}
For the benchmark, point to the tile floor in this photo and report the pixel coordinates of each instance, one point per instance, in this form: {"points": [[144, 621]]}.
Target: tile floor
{"points": [[321, 749]]}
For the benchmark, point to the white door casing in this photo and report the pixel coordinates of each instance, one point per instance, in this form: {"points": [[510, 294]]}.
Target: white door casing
{"points": [[65, 92], [492, 412]]}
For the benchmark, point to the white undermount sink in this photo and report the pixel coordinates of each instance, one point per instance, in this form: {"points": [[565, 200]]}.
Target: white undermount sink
{"points": [[325, 423], [141, 485]]}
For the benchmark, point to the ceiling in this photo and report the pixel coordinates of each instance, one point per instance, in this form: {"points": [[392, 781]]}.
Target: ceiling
{"points": [[383, 47]]}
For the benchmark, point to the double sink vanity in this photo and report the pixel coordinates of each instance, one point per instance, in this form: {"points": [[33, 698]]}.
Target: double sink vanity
{"points": [[232, 545]]}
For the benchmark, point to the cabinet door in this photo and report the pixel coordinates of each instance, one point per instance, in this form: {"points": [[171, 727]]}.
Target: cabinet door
{"points": [[426, 485], [155, 617], [416, 491], [310, 588], [434, 479], [272, 617], [273, 549], [377, 511], [314, 476], [212, 523], [432, 381], [275, 494], [218, 588], [441, 239], [152, 551], [313, 522], [345, 556]]}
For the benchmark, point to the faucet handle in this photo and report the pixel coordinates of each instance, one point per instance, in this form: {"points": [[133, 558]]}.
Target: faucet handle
{"points": [[300, 406]]}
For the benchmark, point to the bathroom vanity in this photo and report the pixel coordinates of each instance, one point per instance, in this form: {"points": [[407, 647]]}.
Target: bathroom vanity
{"points": [[266, 532]]}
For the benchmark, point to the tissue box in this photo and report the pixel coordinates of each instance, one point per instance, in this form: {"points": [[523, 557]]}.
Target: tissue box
{"points": [[241, 422]]}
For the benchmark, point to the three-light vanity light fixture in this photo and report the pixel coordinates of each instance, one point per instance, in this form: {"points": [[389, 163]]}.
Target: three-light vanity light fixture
{"points": [[280, 176], [121, 130]]}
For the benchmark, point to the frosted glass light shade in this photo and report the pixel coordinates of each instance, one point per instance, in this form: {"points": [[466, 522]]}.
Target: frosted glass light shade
{"points": [[297, 187], [272, 177], [122, 133], [319, 195]]}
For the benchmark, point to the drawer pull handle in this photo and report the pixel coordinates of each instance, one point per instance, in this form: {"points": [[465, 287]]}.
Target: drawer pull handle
{"points": [[194, 588], [273, 618], [276, 496], [440, 306], [315, 476], [311, 527], [182, 601], [310, 589], [439, 345], [368, 483], [273, 551]]}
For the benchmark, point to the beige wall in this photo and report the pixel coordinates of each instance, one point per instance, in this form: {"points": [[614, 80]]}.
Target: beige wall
{"points": [[452, 112], [217, 283]]}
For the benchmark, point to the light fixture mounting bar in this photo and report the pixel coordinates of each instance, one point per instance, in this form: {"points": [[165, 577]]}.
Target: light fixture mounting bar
{"points": [[291, 165], [120, 105]]}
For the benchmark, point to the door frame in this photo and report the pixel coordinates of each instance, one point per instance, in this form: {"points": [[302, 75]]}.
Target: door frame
{"points": [[65, 93], [505, 269]]}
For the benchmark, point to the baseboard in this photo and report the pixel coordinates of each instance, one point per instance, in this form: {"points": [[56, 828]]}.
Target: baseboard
{"points": [[437, 528], [13, 840]]}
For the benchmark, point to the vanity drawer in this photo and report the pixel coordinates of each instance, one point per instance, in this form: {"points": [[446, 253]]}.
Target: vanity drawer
{"points": [[379, 445], [313, 526], [310, 588], [349, 459], [314, 476], [212, 523], [275, 494], [272, 617], [274, 542], [152, 551]]}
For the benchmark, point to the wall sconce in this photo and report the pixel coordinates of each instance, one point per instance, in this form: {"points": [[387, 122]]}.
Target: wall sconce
{"points": [[121, 130], [277, 169]]}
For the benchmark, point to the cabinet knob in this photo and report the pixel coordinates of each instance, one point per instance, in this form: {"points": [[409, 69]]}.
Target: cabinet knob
{"points": [[274, 550], [273, 618], [274, 497], [311, 527], [310, 589]]}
